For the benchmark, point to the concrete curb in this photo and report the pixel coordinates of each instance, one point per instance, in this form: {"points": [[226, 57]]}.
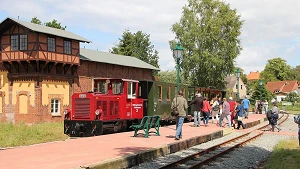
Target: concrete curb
{"points": [[146, 155]]}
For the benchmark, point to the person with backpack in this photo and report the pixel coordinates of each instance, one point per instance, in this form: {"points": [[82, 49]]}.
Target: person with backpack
{"points": [[274, 117], [180, 103], [297, 121], [239, 114], [215, 110]]}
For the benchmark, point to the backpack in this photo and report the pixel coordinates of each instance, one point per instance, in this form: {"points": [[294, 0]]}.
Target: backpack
{"points": [[297, 119], [269, 114], [216, 107]]}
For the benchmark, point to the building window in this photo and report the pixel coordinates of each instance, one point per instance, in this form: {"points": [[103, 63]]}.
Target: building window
{"points": [[14, 42], [51, 44], [131, 90], [55, 104], [159, 92], [67, 47], [241, 86], [23, 42], [169, 93], [236, 86]]}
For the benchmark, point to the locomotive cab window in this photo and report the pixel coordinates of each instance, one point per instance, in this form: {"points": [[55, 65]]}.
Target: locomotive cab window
{"points": [[117, 87], [102, 87], [131, 90]]}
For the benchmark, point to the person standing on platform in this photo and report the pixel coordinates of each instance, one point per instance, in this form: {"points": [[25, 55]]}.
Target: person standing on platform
{"points": [[239, 110], [205, 110], [198, 106], [180, 103], [297, 121], [225, 113], [246, 104], [232, 112], [215, 107], [266, 106]]}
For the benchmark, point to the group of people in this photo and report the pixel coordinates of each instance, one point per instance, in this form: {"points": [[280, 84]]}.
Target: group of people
{"points": [[261, 106], [217, 108]]}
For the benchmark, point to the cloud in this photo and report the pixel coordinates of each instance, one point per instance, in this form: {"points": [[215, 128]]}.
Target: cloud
{"points": [[271, 27]]}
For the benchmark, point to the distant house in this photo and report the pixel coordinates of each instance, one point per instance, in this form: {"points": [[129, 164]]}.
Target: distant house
{"points": [[253, 76], [282, 88], [232, 86]]}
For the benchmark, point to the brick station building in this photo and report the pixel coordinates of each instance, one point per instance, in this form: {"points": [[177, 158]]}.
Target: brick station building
{"points": [[41, 67]]}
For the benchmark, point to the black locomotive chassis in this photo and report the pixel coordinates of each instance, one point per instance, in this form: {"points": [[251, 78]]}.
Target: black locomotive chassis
{"points": [[77, 128]]}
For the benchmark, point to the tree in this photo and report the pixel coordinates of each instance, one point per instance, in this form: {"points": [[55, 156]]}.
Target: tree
{"points": [[137, 45], [208, 31], [36, 21], [295, 73], [276, 70], [171, 77], [265, 93], [292, 97], [53, 24]]}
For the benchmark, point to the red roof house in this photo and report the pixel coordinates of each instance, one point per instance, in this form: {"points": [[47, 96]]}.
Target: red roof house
{"points": [[282, 88], [253, 76]]}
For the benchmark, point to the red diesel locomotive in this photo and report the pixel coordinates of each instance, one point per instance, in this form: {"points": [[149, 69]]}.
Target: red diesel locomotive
{"points": [[112, 105]]}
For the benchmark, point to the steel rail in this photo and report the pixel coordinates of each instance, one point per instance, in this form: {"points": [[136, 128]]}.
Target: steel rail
{"points": [[206, 151], [196, 166]]}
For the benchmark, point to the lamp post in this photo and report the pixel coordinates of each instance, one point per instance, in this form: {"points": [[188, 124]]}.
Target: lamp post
{"points": [[260, 84], [178, 52], [238, 73]]}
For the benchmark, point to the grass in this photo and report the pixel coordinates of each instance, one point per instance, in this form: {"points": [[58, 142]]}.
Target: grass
{"points": [[22, 134], [285, 155]]}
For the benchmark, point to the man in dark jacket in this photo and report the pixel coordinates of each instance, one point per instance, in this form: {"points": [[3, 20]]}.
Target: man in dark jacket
{"points": [[198, 106]]}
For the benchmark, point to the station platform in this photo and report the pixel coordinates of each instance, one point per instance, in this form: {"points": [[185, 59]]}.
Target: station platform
{"points": [[119, 150]]}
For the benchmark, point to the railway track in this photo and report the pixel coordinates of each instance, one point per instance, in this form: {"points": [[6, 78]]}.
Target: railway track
{"points": [[204, 157]]}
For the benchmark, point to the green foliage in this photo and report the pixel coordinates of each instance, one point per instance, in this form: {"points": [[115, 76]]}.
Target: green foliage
{"points": [[171, 77], [258, 91], [295, 73], [276, 70], [209, 33], [36, 21], [21, 134], [292, 97], [286, 155], [54, 23], [137, 45]]}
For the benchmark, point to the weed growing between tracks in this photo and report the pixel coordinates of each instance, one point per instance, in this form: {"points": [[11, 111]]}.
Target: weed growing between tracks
{"points": [[285, 155], [22, 134]]}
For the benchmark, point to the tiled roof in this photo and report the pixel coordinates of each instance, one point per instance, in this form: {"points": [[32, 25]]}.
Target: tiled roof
{"points": [[231, 81], [282, 86], [106, 57], [42, 29], [253, 75]]}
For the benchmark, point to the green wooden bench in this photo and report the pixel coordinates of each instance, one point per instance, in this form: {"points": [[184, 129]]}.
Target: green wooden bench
{"points": [[146, 124]]}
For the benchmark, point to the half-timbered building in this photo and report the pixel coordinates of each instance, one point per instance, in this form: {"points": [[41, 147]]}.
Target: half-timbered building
{"points": [[41, 67]]}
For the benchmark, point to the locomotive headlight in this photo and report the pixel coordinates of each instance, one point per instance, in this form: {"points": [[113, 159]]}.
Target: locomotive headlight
{"points": [[97, 112]]}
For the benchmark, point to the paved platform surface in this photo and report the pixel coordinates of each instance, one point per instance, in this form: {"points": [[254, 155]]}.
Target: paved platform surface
{"points": [[74, 153]]}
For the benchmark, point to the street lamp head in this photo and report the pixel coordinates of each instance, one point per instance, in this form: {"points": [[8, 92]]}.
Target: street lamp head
{"points": [[178, 51], [260, 82], [238, 73]]}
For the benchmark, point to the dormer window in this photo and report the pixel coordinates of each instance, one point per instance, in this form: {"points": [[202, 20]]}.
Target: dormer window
{"points": [[51, 44], [67, 47]]}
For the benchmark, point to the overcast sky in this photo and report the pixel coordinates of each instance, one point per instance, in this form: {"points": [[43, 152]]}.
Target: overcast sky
{"points": [[271, 27]]}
